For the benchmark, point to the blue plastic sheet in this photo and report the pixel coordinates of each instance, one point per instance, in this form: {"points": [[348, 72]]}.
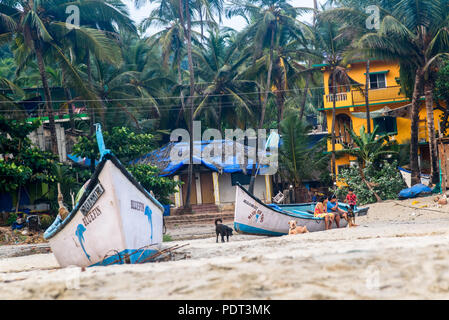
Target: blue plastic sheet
{"points": [[161, 158], [416, 190]]}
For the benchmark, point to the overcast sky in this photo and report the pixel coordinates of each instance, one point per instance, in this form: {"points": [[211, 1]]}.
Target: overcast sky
{"points": [[236, 23]]}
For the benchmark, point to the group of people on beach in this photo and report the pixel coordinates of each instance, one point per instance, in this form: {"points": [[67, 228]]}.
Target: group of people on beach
{"points": [[327, 208]]}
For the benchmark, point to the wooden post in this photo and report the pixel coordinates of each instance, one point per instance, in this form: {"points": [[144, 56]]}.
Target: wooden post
{"points": [[178, 198], [268, 189], [216, 188], [443, 167]]}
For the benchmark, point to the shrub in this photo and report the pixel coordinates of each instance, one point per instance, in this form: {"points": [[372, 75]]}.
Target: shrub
{"points": [[46, 221], [386, 180], [12, 217]]}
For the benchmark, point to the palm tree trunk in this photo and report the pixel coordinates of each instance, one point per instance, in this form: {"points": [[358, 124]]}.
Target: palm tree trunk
{"points": [[280, 104], [334, 115], [414, 167], [264, 104], [68, 96], [254, 168], [181, 95], [368, 116], [220, 104], [428, 91], [304, 96], [362, 175], [268, 84], [190, 102], [48, 102], [91, 111]]}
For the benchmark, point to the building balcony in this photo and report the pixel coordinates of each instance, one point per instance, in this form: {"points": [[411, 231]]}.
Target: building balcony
{"points": [[356, 98]]}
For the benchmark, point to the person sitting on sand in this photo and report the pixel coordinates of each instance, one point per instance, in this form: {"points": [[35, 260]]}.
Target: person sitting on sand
{"points": [[332, 206], [321, 212]]}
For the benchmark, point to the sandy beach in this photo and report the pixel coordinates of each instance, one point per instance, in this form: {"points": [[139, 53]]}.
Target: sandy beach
{"points": [[399, 251]]}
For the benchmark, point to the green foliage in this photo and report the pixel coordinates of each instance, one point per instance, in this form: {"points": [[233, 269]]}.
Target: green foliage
{"points": [[46, 221], [128, 145], [11, 218], [23, 163], [369, 147], [166, 238], [387, 182], [297, 159], [122, 141], [149, 178], [13, 175], [442, 82]]}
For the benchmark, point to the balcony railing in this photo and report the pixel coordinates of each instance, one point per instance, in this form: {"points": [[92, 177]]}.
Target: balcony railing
{"points": [[378, 95], [357, 97], [338, 97]]}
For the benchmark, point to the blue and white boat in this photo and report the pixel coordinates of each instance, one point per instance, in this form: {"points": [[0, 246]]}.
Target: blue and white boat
{"points": [[252, 216], [115, 221]]}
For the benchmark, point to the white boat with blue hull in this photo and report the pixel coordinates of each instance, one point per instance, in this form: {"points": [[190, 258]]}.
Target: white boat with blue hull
{"points": [[115, 221], [252, 216]]}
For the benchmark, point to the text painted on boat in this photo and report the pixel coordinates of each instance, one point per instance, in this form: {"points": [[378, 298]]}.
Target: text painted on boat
{"points": [[136, 205], [91, 216], [257, 213], [92, 199]]}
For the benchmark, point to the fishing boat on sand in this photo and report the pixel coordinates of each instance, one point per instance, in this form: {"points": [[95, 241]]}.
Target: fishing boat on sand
{"points": [[115, 221], [252, 216]]}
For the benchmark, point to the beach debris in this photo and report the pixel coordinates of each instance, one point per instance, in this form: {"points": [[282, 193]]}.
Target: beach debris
{"points": [[165, 254], [415, 202], [443, 200], [436, 198], [8, 237], [161, 255]]}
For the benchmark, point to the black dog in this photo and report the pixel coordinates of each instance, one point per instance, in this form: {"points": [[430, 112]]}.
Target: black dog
{"points": [[222, 230]]}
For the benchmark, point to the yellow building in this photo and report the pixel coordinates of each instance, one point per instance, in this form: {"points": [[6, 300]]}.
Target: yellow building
{"points": [[389, 108]]}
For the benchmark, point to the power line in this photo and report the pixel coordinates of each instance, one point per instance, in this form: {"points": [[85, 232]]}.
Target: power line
{"points": [[168, 97]]}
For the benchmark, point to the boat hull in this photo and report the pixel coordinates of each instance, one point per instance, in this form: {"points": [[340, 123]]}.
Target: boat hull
{"points": [[117, 223], [252, 216]]}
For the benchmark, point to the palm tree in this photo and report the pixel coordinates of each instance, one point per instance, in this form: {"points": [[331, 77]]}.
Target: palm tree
{"points": [[185, 12], [352, 16], [222, 82], [367, 148], [40, 29], [296, 152], [332, 46], [170, 40], [135, 88], [271, 24], [416, 34]]}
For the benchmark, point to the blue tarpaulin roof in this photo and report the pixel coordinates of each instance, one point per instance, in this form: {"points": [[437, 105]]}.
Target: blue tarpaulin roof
{"points": [[202, 154]]}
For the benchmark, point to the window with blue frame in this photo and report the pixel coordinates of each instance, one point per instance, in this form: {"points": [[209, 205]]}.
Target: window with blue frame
{"points": [[386, 125]]}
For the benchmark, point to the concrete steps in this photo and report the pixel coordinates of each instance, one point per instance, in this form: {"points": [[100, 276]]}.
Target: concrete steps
{"points": [[199, 218], [195, 209]]}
